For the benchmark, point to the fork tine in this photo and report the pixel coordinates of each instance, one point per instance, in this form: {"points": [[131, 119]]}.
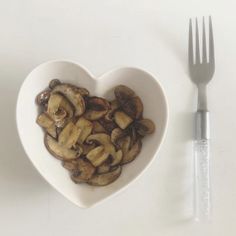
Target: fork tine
{"points": [[211, 44], [190, 44], [197, 44], [204, 53]]}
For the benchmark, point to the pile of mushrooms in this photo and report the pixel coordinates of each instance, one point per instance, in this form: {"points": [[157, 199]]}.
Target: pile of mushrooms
{"points": [[93, 137]]}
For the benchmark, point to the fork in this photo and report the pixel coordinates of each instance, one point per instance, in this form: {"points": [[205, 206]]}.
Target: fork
{"points": [[201, 71]]}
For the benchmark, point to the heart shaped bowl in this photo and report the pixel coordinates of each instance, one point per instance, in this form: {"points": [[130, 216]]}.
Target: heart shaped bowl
{"points": [[32, 136]]}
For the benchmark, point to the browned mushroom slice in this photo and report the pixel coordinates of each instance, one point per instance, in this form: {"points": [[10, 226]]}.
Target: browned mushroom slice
{"points": [[58, 106], [122, 120], [104, 140], [47, 123], [114, 105], [106, 178], [145, 127], [132, 153], [117, 134], [133, 107], [125, 144], [108, 125], [104, 167], [97, 156], [70, 165], [123, 94], [87, 148], [86, 128], [69, 135], [98, 128], [58, 151], [133, 135], [53, 83], [44, 120], [43, 97], [83, 91], [117, 158], [96, 108], [84, 172], [52, 130], [73, 96]]}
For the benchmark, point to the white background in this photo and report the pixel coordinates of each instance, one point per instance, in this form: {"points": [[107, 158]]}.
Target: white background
{"points": [[151, 34]]}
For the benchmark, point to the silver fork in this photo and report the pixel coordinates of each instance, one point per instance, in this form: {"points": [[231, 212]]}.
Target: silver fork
{"points": [[201, 70]]}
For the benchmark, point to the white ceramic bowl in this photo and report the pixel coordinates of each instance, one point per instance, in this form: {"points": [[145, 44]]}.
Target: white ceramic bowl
{"points": [[32, 136]]}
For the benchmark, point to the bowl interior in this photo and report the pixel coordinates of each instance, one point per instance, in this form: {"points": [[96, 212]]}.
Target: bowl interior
{"points": [[32, 136]]}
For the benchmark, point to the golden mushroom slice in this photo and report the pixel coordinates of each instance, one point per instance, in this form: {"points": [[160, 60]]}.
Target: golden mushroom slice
{"points": [[106, 178], [104, 167], [122, 119], [132, 153], [86, 128], [97, 156], [59, 109], [144, 127], [47, 123], [84, 171], [73, 95], [108, 125], [96, 108], [58, 151], [69, 135], [98, 128]]}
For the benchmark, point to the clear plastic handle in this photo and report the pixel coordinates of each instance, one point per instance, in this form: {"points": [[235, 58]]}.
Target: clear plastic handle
{"points": [[202, 198]]}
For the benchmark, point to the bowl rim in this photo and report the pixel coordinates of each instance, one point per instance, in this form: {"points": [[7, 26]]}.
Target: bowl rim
{"points": [[109, 71]]}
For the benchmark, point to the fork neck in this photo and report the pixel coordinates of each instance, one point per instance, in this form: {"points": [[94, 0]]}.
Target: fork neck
{"points": [[202, 97]]}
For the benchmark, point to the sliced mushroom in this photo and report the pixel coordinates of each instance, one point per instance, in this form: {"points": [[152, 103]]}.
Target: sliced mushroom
{"points": [[97, 156], [73, 95], [47, 123], [53, 83], [69, 135], [98, 128], [108, 125], [87, 148], [44, 120], [122, 120], [58, 105], [125, 144], [104, 140], [60, 152], [105, 179], [43, 97], [133, 135], [52, 130], [84, 172], [133, 107], [117, 134], [70, 165], [132, 153], [114, 105], [86, 129], [96, 108], [123, 94], [104, 167], [145, 127], [117, 158]]}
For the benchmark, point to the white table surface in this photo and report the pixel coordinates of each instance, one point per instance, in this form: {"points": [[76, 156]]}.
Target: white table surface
{"points": [[151, 34]]}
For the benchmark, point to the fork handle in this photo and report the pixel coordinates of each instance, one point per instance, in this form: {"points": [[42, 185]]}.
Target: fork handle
{"points": [[202, 193]]}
